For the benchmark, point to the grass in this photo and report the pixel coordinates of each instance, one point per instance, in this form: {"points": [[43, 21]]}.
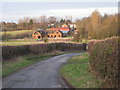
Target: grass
{"points": [[14, 42], [23, 61], [76, 72], [19, 43], [16, 32]]}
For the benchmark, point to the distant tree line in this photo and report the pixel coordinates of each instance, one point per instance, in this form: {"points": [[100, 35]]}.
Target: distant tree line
{"points": [[97, 26], [28, 23]]}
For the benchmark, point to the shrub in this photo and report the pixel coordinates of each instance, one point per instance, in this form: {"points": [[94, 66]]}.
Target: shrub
{"points": [[45, 40], [13, 51], [104, 60], [77, 38]]}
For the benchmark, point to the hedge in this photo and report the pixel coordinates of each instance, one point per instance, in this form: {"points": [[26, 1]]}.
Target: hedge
{"points": [[104, 60], [9, 52]]}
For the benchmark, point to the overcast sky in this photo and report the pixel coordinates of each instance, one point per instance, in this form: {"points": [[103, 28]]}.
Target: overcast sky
{"points": [[14, 10]]}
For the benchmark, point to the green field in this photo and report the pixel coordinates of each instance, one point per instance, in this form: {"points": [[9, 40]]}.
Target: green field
{"points": [[14, 42], [27, 40], [16, 32], [76, 72]]}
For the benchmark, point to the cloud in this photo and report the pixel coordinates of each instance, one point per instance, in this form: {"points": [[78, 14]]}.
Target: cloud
{"points": [[84, 11], [59, 0], [75, 13]]}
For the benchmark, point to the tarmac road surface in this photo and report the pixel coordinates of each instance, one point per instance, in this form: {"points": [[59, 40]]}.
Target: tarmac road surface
{"points": [[44, 74]]}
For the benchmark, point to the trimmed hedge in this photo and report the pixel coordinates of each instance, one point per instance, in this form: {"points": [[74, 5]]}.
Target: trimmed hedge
{"points": [[14, 51], [104, 60]]}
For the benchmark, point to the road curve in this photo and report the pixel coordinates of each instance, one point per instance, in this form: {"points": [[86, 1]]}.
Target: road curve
{"points": [[44, 74]]}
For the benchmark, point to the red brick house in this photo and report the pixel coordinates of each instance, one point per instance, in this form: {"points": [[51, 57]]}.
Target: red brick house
{"points": [[54, 34], [50, 34], [39, 34]]}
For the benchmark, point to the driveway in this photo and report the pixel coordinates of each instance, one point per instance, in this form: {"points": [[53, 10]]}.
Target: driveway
{"points": [[44, 74]]}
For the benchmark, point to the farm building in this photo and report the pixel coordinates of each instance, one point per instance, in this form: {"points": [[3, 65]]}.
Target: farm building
{"points": [[39, 34], [72, 25], [50, 34], [54, 34], [64, 25], [64, 30]]}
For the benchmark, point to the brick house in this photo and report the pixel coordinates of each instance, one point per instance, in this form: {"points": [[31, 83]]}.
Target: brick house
{"points": [[54, 34], [39, 34], [50, 34]]}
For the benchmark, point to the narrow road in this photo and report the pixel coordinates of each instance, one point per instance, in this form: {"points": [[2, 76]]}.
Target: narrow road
{"points": [[44, 74]]}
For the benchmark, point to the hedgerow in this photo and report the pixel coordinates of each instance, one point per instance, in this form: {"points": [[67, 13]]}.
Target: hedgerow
{"points": [[14, 51], [104, 60]]}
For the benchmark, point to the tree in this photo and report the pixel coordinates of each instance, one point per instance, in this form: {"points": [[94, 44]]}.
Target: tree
{"points": [[68, 21], [95, 22], [52, 20], [31, 22], [62, 21], [24, 23], [77, 37]]}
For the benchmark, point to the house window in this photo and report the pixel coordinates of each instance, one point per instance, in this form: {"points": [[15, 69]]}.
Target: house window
{"points": [[36, 33], [38, 36]]}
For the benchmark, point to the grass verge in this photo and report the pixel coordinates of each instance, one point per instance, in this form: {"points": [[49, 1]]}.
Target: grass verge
{"points": [[76, 72], [23, 61]]}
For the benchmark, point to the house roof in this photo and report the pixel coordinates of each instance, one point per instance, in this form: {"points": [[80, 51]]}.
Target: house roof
{"points": [[51, 32], [60, 28], [64, 31], [42, 32]]}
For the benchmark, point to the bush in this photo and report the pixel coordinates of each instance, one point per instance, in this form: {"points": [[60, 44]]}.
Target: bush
{"points": [[13, 51], [45, 40], [104, 60], [77, 38]]}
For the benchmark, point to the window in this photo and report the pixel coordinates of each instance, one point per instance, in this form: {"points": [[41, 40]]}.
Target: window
{"points": [[38, 36], [35, 33]]}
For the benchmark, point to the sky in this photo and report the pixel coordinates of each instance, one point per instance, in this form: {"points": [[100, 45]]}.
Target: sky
{"points": [[13, 10]]}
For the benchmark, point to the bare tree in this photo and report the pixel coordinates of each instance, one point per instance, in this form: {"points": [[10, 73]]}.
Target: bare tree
{"points": [[52, 20]]}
